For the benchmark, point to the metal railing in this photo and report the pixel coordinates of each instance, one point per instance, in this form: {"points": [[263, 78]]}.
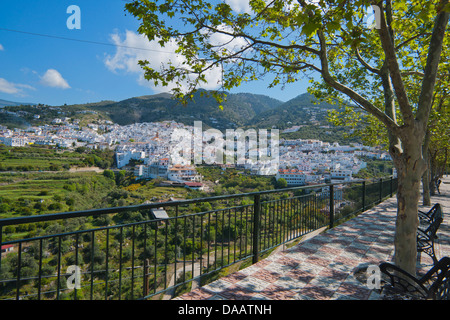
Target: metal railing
{"points": [[127, 253]]}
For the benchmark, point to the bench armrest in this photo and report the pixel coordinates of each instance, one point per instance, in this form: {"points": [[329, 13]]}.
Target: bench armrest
{"points": [[423, 217], [404, 281], [438, 271], [439, 275]]}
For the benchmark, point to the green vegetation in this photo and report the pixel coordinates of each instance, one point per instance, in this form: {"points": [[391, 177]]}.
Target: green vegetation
{"points": [[46, 158], [23, 116], [37, 158], [375, 169], [215, 235], [233, 181], [39, 193]]}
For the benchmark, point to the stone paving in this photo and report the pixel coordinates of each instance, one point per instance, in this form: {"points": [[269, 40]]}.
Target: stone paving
{"points": [[323, 267]]}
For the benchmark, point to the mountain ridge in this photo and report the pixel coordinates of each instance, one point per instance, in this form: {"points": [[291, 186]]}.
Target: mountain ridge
{"points": [[7, 103], [304, 116], [239, 110]]}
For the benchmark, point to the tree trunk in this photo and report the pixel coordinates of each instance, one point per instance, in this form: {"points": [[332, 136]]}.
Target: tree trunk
{"points": [[433, 172], [426, 199], [410, 168]]}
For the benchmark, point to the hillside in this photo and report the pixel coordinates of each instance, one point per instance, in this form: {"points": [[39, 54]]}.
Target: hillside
{"points": [[302, 110], [4, 103], [237, 109], [243, 110]]}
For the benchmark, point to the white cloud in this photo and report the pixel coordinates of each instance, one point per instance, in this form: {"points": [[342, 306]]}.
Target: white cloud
{"points": [[52, 78], [223, 41], [1, 47], [13, 88], [240, 6], [128, 55], [243, 6]]}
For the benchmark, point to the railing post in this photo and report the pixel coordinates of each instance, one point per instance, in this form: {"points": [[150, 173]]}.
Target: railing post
{"points": [[331, 206], [1, 242], [381, 189], [364, 196], [146, 267], [256, 226], [392, 186]]}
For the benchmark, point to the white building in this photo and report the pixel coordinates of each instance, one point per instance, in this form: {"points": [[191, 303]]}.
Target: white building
{"points": [[13, 141], [293, 177], [338, 192], [154, 170], [345, 175], [181, 173], [123, 158]]}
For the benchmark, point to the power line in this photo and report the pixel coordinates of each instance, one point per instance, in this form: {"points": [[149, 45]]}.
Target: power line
{"points": [[84, 41]]}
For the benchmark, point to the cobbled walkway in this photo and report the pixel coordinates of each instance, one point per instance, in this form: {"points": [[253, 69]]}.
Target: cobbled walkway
{"points": [[323, 267]]}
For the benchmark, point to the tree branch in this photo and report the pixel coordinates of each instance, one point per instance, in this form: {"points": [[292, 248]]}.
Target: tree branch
{"points": [[431, 68], [365, 64], [364, 103], [394, 68], [411, 39], [262, 42]]}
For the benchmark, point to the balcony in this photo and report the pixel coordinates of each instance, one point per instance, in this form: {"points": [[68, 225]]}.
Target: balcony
{"points": [[124, 254]]}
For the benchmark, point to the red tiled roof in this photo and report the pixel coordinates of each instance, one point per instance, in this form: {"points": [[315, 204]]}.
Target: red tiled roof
{"points": [[193, 184]]}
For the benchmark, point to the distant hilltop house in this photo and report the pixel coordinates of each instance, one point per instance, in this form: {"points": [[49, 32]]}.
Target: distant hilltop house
{"points": [[161, 168], [87, 112], [7, 248], [177, 175], [182, 173], [293, 177]]}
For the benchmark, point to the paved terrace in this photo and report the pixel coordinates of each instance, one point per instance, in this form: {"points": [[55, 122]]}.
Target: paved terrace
{"points": [[323, 266]]}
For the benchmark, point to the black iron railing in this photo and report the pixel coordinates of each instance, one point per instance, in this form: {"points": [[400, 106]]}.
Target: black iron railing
{"points": [[129, 253]]}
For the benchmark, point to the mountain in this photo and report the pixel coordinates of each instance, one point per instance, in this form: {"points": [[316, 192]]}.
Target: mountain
{"points": [[6, 103], [244, 110], [301, 110], [239, 110], [236, 112]]}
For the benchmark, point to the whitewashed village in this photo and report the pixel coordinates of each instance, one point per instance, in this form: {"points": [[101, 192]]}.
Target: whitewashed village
{"points": [[146, 148]]}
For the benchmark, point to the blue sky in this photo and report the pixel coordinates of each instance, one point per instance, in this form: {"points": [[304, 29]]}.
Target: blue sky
{"points": [[52, 71]]}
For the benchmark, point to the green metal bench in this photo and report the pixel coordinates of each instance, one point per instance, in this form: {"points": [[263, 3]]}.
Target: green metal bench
{"points": [[426, 232], [429, 216]]}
